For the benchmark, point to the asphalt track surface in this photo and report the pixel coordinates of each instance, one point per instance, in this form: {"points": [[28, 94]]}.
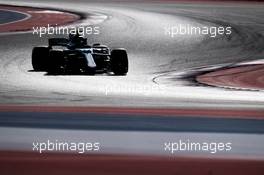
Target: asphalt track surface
{"points": [[154, 59], [140, 29]]}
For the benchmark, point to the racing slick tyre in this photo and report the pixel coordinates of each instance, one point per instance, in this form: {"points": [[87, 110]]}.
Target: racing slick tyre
{"points": [[56, 62], [40, 58], [119, 61]]}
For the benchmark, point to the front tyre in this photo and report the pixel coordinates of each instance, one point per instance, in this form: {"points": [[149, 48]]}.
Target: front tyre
{"points": [[40, 58], [119, 61]]}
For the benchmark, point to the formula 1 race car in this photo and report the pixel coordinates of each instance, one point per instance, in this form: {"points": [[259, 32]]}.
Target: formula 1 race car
{"points": [[75, 56]]}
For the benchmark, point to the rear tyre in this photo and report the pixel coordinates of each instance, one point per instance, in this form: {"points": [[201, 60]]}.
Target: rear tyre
{"points": [[119, 62], [40, 58]]}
